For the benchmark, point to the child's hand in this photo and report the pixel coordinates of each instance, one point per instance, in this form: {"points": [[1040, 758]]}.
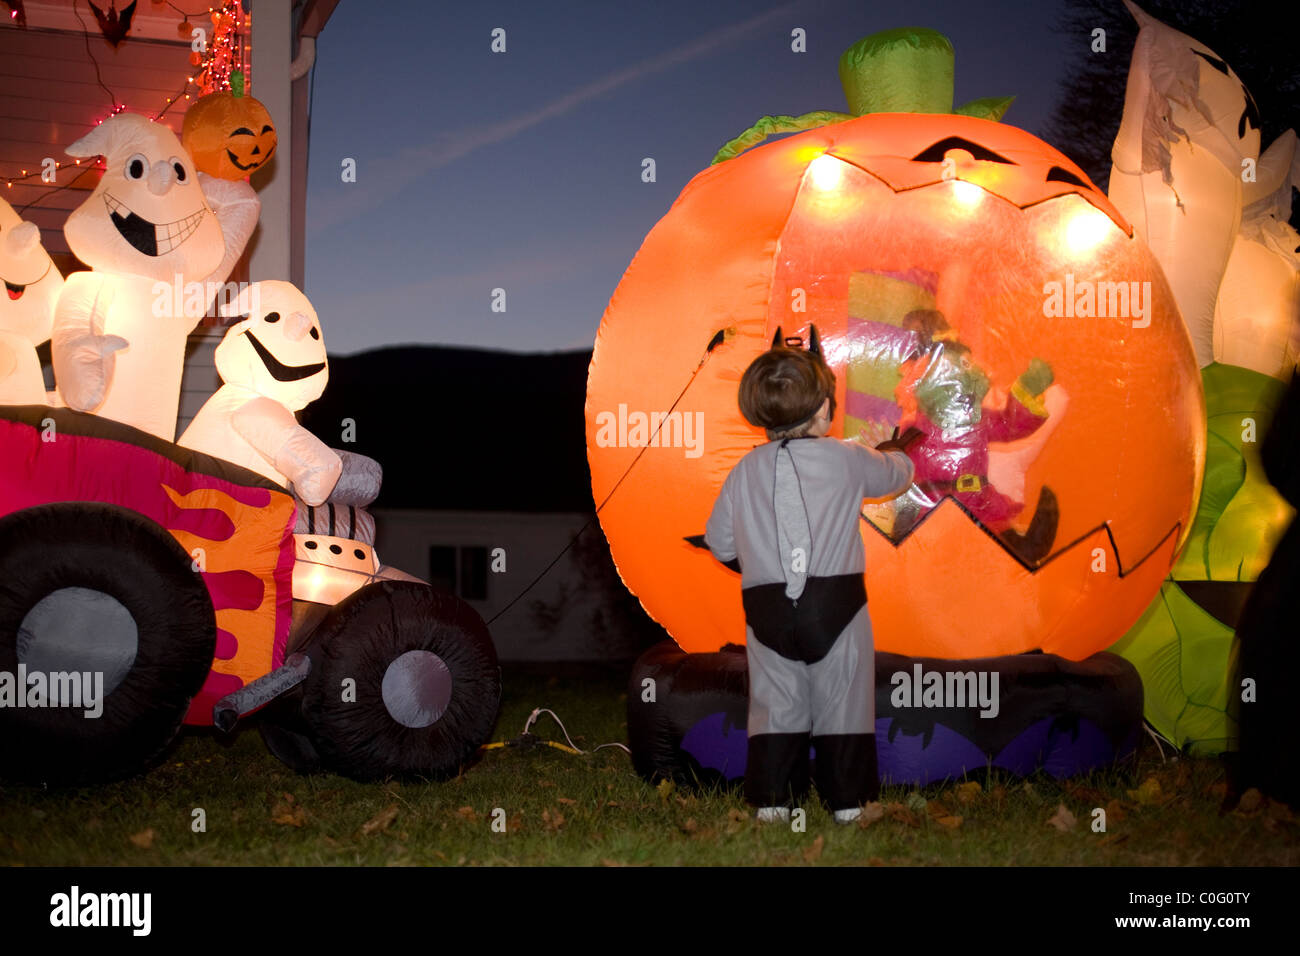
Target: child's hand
{"points": [[902, 442], [874, 433]]}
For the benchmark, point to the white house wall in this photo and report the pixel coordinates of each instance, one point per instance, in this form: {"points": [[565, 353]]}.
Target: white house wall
{"points": [[579, 601]]}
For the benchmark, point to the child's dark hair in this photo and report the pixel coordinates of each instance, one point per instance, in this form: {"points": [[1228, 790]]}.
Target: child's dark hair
{"points": [[783, 388]]}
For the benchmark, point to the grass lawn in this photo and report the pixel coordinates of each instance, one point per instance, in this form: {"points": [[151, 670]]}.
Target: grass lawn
{"points": [[592, 810]]}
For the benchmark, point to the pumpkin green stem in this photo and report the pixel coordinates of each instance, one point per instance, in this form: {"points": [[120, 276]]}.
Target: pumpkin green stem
{"points": [[906, 70], [236, 83]]}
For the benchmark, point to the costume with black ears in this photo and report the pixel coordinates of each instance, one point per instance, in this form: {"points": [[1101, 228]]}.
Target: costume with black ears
{"points": [[788, 513]]}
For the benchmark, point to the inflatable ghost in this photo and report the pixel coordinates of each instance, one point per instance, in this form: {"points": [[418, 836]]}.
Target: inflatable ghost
{"points": [[1258, 309], [149, 232], [271, 364], [31, 287], [1176, 174]]}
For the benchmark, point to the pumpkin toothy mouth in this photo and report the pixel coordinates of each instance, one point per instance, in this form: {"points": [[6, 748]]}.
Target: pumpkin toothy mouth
{"points": [[254, 164], [151, 238], [279, 371]]}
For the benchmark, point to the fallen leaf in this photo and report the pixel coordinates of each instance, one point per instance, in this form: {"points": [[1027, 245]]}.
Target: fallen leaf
{"points": [[870, 814], [690, 826], [287, 812], [1063, 819], [915, 801], [1250, 801], [467, 813], [545, 783], [1115, 812], [609, 862], [969, 791], [1112, 839], [143, 839], [567, 801], [552, 822], [380, 821], [665, 789], [814, 852], [736, 815], [900, 813], [998, 793], [937, 808], [1087, 795], [1148, 792], [952, 822]]}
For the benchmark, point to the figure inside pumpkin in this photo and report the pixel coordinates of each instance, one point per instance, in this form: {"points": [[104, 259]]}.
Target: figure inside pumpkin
{"points": [[942, 394]]}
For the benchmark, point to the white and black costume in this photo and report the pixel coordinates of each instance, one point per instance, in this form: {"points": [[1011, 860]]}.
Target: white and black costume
{"points": [[789, 512]]}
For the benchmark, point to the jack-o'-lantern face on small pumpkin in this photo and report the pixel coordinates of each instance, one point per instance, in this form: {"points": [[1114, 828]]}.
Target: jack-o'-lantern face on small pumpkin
{"points": [[230, 136]]}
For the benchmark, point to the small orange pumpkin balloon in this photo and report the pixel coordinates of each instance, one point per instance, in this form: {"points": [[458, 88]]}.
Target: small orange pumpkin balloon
{"points": [[228, 134]]}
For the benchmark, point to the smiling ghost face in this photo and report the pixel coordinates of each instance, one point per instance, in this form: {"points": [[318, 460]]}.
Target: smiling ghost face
{"points": [[278, 351], [148, 215], [30, 279]]}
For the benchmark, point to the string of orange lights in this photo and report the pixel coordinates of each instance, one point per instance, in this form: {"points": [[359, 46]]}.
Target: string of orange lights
{"points": [[226, 53]]}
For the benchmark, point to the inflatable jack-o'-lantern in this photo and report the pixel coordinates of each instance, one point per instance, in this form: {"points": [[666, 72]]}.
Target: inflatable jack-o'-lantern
{"points": [[230, 135], [956, 268]]}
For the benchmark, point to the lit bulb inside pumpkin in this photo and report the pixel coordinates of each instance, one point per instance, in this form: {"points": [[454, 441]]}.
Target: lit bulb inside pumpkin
{"points": [[1085, 229], [825, 172]]}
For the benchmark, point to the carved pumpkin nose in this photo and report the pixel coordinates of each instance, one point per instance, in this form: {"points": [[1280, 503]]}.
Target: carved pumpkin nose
{"points": [[298, 325], [256, 150]]}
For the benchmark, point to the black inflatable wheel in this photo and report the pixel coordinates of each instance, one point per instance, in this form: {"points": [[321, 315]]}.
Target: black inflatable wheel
{"points": [[287, 735], [94, 588], [426, 680]]}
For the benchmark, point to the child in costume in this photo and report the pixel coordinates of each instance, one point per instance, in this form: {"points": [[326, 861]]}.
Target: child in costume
{"points": [[788, 513]]}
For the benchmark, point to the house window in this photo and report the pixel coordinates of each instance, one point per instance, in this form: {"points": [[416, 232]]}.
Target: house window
{"points": [[462, 570]]}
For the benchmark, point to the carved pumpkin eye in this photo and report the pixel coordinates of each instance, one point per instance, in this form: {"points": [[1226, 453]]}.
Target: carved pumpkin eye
{"points": [[935, 153], [268, 129], [136, 167], [315, 333], [242, 131], [271, 317], [179, 169]]}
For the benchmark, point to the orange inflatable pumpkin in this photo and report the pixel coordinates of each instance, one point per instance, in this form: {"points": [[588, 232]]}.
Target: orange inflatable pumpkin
{"points": [[858, 228], [228, 134]]}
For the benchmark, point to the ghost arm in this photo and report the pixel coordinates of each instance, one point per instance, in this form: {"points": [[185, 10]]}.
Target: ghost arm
{"points": [[236, 207], [83, 355], [296, 453]]}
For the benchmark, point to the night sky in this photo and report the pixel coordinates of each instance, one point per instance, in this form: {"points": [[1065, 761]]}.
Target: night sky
{"points": [[522, 170]]}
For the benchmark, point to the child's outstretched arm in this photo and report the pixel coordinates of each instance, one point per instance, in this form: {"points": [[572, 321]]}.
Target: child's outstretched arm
{"points": [[884, 473]]}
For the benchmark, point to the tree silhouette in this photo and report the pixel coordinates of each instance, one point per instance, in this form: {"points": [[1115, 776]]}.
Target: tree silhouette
{"points": [[1258, 40]]}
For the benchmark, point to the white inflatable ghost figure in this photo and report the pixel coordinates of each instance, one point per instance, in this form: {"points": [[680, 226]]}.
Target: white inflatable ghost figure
{"points": [[272, 364], [31, 288], [149, 232], [1257, 317], [1188, 126]]}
